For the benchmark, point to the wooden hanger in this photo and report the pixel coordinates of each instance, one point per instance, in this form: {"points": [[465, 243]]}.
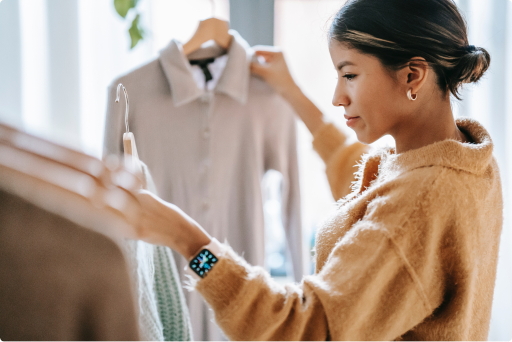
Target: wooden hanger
{"points": [[209, 29]]}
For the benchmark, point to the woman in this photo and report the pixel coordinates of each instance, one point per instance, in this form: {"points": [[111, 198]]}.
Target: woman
{"points": [[411, 252]]}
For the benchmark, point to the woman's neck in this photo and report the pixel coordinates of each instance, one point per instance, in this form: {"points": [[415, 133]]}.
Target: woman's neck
{"points": [[433, 123]]}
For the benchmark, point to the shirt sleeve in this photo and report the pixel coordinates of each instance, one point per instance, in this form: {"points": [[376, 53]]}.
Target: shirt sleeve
{"points": [[281, 155], [341, 158], [367, 290]]}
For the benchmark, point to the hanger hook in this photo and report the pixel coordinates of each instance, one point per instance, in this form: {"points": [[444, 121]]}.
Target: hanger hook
{"points": [[127, 104]]}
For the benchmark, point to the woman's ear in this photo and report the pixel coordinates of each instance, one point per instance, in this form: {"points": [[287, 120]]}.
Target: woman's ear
{"points": [[416, 72]]}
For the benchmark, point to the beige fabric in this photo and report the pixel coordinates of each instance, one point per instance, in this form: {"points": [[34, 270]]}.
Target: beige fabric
{"points": [[59, 281], [410, 254], [208, 151]]}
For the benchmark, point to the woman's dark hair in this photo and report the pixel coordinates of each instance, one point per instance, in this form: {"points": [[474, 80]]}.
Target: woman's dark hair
{"points": [[396, 31]]}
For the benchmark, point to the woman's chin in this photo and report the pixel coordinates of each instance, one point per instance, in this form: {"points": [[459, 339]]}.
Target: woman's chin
{"points": [[364, 137]]}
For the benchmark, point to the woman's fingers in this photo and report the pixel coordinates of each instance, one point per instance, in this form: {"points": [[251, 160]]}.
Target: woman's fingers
{"points": [[259, 69], [274, 71], [269, 53], [263, 49]]}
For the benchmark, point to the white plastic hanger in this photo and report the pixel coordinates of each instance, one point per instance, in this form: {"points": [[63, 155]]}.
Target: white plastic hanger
{"points": [[131, 157]]}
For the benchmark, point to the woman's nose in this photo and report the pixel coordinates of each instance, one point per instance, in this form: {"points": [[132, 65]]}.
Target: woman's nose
{"points": [[340, 98]]}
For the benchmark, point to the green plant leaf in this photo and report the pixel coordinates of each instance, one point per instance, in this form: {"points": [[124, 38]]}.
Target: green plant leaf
{"points": [[123, 6], [136, 32]]}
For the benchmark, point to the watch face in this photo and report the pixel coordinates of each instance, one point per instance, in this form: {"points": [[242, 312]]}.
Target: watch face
{"points": [[203, 263]]}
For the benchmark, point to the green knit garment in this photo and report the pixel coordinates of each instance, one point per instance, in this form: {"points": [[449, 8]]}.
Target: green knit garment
{"points": [[171, 305], [172, 308]]}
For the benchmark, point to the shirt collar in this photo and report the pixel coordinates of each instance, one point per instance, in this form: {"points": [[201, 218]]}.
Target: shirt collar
{"points": [[233, 82]]}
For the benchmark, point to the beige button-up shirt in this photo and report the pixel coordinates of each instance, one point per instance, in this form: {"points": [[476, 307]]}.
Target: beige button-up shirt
{"points": [[208, 149]]}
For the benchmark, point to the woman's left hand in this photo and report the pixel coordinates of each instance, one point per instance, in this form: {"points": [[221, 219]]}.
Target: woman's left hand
{"points": [[163, 223]]}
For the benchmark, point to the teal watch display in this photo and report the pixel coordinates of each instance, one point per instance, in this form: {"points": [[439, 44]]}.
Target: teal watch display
{"points": [[203, 262]]}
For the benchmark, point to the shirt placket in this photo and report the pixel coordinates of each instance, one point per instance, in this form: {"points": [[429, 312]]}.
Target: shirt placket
{"points": [[207, 103]]}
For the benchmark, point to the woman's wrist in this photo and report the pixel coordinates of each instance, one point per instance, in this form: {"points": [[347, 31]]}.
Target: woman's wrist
{"points": [[305, 109], [188, 239], [195, 245], [292, 93]]}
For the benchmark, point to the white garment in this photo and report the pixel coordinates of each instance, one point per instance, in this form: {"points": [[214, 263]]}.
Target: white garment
{"points": [[162, 314], [140, 259], [139, 256], [208, 151]]}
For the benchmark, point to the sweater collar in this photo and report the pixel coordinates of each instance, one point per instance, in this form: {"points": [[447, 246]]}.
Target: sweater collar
{"points": [[468, 157], [233, 82]]}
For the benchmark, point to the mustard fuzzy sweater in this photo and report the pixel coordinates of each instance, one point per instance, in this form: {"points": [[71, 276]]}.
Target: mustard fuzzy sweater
{"points": [[410, 253]]}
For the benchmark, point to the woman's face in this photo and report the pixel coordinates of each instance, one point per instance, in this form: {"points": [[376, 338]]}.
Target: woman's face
{"points": [[372, 97]]}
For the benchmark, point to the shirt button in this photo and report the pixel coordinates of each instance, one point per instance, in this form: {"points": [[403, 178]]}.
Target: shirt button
{"points": [[206, 204], [206, 133], [204, 167]]}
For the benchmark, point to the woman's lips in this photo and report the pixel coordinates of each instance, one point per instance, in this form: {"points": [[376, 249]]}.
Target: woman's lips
{"points": [[352, 120]]}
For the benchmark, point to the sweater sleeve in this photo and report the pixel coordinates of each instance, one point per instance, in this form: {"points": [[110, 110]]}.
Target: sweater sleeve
{"points": [[341, 158], [367, 290]]}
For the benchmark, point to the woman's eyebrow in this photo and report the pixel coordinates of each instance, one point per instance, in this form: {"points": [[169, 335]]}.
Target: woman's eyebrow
{"points": [[343, 64]]}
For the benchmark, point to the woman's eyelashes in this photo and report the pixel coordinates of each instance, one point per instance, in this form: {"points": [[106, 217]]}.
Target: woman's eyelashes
{"points": [[349, 77]]}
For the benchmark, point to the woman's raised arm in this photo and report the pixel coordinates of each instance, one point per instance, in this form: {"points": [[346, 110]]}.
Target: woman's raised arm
{"points": [[340, 156], [276, 73]]}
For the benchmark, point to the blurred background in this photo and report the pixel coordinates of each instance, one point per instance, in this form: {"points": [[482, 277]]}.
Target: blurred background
{"points": [[58, 56]]}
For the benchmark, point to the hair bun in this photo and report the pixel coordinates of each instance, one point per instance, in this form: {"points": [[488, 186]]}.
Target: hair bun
{"points": [[470, 48], [479, 61], [471, 66]]}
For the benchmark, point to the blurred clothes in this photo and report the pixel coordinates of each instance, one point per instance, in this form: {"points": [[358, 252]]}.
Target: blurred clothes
{"points": [[139, 257], [410, 254], [209, 149], [163, 314], [172, 308], [59, 281]]}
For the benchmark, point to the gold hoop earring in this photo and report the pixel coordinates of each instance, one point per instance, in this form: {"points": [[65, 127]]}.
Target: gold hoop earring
{"points": [[411, 96]]}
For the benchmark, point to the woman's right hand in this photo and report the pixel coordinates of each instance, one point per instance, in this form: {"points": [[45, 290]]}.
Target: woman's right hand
{"points": [[163, 223], [274, 71]]}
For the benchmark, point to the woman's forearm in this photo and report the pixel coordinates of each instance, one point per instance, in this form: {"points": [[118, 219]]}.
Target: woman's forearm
{"points": [[305, 108]]}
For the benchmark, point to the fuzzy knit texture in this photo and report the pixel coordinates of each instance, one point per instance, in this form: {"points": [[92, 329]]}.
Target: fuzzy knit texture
{"points": [[172, 308], [162, 312], [410, 253]]}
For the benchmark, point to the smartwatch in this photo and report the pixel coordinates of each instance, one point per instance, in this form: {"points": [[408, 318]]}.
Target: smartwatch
{"points": [[204, 261]]}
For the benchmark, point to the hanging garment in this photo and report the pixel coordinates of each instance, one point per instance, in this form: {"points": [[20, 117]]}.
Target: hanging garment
{"points": [[59, 280], [163, 314], [61, 276], [209, 147]]}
